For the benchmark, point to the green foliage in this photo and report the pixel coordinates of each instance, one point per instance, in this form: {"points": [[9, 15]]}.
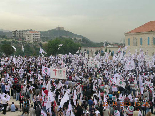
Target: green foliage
{"points": [[7, 49], [29, 48], [52, 47], [109, 51]]}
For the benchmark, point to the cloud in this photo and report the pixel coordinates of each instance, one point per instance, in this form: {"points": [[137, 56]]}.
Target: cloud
{"points": [[95, 19]]}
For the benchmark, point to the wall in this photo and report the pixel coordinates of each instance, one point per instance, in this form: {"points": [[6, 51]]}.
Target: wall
{"points": [[92, 50], [150, 48]]}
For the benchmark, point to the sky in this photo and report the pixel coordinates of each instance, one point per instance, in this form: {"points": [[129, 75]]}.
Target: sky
{"points": [[98, 20]]}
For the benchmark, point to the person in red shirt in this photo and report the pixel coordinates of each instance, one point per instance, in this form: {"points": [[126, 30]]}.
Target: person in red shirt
{"points": [[70, 77], [15, 80], [46, 92]]}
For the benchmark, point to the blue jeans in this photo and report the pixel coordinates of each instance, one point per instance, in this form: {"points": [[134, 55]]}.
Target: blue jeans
{"points": [[44, 108], [17, 96], [147, 110]]}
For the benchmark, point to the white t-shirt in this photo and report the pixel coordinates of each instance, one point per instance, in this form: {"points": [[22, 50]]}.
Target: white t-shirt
{"points": [[97, 113], [7, 87], [4, 100]]}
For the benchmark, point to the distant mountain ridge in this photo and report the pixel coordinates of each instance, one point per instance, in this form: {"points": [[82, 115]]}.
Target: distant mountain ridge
{"points": [[4, 30], [54, 33]]}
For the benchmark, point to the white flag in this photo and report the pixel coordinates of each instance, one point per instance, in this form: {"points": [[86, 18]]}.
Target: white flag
{"points": [[42, 51], [22, 48], [139, 114], [77, 52], [60, 45], [14, 48]]}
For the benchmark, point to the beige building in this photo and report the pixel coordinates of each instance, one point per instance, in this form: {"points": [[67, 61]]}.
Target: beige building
{"points": [[18, 34], [142, 37], [59, 28], [29, 35], [32, 36]]}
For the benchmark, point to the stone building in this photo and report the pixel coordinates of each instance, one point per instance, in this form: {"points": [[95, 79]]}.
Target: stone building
{"points": [[32, 36], [28, 35], [142, 37]]}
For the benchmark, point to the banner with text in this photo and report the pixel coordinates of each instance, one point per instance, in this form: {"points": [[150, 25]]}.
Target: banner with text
{"points": [[58, 73]]}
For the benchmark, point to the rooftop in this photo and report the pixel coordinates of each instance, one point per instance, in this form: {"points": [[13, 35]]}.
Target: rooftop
{"points": [[147, 27], [33, 31]]}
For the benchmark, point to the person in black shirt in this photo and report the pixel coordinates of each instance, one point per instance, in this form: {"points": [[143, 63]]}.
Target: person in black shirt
{"points": [[14, 90], [92, 110], [21, 99], [101, 109], [78, 110], [122, 112], [18, 89], [38, 111], [25, 109]]}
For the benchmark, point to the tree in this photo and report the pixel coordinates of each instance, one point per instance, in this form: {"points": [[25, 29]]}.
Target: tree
{"points": [[68, 45], [7, 49]]}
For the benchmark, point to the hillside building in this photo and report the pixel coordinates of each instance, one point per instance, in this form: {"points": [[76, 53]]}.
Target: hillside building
{"points": [[32, 36], [28, 35], [59, 28]]}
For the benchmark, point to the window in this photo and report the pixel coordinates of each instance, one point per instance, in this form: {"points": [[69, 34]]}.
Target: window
{"points": [[134, 41], [129, 41], [153, 40], [148, 41], [141, 41]]}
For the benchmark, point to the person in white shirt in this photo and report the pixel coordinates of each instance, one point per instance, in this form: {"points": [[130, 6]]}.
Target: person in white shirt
{"points": [[97, 113], [7, 88], [4, 102]]}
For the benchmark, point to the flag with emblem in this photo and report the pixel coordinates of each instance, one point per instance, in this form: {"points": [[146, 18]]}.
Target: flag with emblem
{"points": [[116, 113], [45, 71], [122, 83], [151, 86], [43, 113], [130, 109], [43, 95]]}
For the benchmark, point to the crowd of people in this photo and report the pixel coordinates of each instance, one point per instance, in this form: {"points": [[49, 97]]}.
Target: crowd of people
{"points": [[94, 86]]}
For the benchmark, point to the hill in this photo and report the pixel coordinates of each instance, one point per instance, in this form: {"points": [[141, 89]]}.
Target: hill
{"points": [[54, 33]]}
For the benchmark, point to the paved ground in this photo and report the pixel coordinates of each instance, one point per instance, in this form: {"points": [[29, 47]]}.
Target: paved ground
{"points": [[18, 113]]}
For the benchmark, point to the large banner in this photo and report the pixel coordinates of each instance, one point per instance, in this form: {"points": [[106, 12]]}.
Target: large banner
{"points": [[58, 73]]}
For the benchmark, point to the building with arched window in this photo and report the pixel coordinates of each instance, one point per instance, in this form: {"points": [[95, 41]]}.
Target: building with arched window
{"points": [[141, 37]]}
